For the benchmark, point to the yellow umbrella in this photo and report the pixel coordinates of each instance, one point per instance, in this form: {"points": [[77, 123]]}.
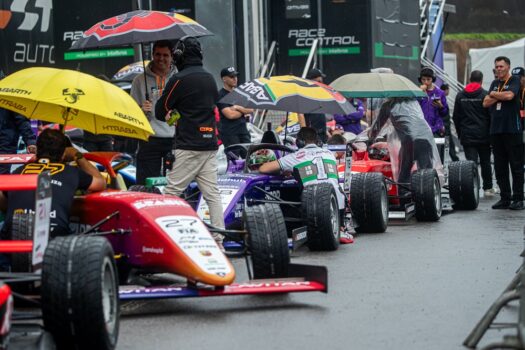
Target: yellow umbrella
{"points": [[70, 97]]}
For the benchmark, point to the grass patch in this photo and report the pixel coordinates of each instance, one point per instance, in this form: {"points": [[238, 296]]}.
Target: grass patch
{"points": [[484, 36]]}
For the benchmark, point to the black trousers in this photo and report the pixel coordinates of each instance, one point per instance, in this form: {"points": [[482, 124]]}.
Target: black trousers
{"points": [[150, 157], [480, 154], [508, 152], [419, 151], [99, 146]]}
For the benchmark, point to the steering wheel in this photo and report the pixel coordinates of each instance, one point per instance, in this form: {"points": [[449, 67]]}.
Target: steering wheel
{"points": [[232, 156]]}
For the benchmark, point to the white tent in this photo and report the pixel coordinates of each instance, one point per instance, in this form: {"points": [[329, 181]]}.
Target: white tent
{"points": [[483, 59]]}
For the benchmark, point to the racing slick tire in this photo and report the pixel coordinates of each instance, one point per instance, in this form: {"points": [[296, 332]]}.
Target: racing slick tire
{"points": [[321, 213], [463, 184], [80, 302], [22, 230], [369, 202], [137, 188], [426, 193], [268, 240]]}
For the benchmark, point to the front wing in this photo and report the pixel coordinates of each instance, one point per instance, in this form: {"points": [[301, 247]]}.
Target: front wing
{"points": [[303, 278]]}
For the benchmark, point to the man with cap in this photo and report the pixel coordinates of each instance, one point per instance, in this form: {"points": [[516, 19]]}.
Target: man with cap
{"points": [[315, 121], [192, 92], [233, 118], [506, 133]]}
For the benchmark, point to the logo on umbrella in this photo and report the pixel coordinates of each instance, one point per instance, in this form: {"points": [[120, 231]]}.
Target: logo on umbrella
{"points": [[72, 95]]}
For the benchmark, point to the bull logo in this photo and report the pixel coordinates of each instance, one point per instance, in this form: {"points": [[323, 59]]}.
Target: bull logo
{"points": [[72, 95]]}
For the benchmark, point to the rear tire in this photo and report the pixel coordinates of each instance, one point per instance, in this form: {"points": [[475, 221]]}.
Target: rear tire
{"points": [[80, 302], [463, 184], [321, 214], [22, 230], [369, 203], [426, 192], [268, 240], [137, 188]]}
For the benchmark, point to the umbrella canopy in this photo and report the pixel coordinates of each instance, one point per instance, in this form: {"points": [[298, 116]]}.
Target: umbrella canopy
{"points": [[70, 97], [130, 71], [290, 94], [376, 85], [139, 27]]}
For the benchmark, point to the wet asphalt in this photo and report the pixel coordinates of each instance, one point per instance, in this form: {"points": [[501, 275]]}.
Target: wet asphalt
{"points": [[416, 286]]}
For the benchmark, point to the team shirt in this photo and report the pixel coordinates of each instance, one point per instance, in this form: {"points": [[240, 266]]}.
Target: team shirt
{"points": [[505, 115]]}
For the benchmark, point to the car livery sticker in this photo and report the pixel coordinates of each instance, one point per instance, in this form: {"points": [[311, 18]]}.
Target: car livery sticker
{"points": [[227, 195], [158, 202], [190, 234]]}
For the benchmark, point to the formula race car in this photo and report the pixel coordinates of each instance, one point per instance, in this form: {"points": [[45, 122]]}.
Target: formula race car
{"points": [[152, 233], [76, 277]]}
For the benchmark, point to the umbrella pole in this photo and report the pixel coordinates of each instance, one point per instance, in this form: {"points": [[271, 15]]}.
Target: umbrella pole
{"points": [[62, 127], [285, 127], [144, 65]]}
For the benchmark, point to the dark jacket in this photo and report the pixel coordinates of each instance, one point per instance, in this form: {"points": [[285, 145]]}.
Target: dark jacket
{"points": [[193, 92], [471, 119], [12, 126]]}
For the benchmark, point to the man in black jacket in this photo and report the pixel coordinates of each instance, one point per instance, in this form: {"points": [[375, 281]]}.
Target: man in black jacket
{"points": [[472, 122], [193, 93]]}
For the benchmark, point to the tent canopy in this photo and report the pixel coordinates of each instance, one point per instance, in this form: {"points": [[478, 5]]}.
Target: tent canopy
{"points": [[483, 59]]}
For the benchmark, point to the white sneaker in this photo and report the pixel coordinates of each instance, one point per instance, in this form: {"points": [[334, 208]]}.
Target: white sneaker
{"points": [[491, 192]]}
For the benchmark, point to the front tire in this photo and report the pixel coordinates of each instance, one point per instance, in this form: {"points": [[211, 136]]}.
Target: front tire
{"points": [[321, 213], [426, 192], [268, 240], [80, 302], [369, 203], [463, 184]]}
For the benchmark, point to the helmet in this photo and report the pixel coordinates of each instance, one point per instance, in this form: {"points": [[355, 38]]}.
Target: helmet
{"points": [[259, 157], [379, 151]]}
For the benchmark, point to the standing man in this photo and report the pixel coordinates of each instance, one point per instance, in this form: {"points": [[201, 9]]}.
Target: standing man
{"points": [[472, 122], [193, 93], [233, 118], [316, 121], [452, 147], [12, 126], [158, 71], [506, 134]]}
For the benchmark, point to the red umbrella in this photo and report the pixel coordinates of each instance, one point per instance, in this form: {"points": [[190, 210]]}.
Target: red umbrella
{"points": [[139, 27]]}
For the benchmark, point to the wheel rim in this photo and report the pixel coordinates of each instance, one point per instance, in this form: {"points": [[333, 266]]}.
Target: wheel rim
{"points": [[109, 296], [437, 196], [334, 216]]}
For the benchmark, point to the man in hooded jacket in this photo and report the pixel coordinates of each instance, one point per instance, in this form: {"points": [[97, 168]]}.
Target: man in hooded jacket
{"points": [[472, 123], [192, 92]]}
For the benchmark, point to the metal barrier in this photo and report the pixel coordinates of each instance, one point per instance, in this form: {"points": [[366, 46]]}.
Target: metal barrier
{"points": [[514, 291]]}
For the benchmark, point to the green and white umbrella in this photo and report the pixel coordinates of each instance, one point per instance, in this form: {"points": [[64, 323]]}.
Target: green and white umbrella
{"points": [[376, 85]]}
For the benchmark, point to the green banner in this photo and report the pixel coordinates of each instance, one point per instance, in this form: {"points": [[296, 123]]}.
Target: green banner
{"points": [[93, 54], [378, 50], [342, 50]]}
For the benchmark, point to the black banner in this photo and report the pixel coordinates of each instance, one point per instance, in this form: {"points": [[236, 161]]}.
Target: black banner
{"points": [[26, 34]]}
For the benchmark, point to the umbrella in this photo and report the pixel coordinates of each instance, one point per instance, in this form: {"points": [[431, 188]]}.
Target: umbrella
{"points": [[70, 97], [288, 93], [130, 71], [376, 85], [139, 27]]}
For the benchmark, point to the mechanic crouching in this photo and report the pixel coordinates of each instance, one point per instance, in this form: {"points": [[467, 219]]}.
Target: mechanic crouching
{"points": [[53, 154]]}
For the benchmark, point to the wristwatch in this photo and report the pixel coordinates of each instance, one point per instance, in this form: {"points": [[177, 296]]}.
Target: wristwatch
{"points": [[78, 156]]}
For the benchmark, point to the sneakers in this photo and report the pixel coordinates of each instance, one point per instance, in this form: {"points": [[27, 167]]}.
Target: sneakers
{"points": [[517, 205], [491, 192], [346, 237], [502, 204]]}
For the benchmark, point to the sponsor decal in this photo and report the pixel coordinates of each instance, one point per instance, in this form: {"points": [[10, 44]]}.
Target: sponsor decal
{"points": [[38, 168], [145, 203], [15, 91], [270, 284], [205, 129], [255, 90], [128, 117], [118, 128], [72, 95], [16, 158], [153, 250], [149, 290], [190, 234], [205, 253]]}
